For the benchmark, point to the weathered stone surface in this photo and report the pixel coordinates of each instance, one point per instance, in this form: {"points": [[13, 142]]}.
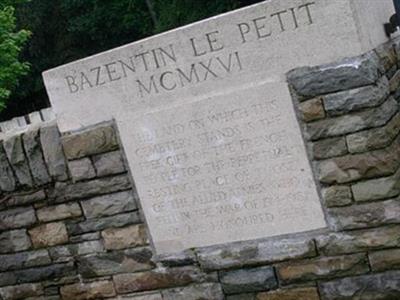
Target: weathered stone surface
{"points": [[394, 82], [248, 280], [184, 258], [109, 163], [376, 189], [14, 240], [26, 198], [387, 55], [53, 152], [209, 291], [52, 272], [312, 110], [67, 252], [120, 220], [356, 99], [160, 279], [358, 240], [337, 195], [66, 192], [374, 138], [81, 169], [16, 157], [110, 263], [365, 215], [128, 237], [384, 259], [140, 296], [87, 291], [32, 146], [346, 74], [22, 291], [24, 260], [366, 287], [7, 180], [85, 237], [17, 218], [8, 278], [50, 234], [373, 117], [59, 212], [360, 166], [93, 141], [253, 253], [247, 296], [108, 205], [306, 293], [322, 268], [329, 148]]}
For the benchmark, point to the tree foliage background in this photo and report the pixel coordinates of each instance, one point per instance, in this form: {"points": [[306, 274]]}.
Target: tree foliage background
{"points": [[11, 43], [66, 30]]}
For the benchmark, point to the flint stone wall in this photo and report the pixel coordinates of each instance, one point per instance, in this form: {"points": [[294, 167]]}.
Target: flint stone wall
{"points": [[71, 227]]}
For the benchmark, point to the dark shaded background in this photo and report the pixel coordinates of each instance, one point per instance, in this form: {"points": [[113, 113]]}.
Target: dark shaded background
{"points": [[66, 30]]}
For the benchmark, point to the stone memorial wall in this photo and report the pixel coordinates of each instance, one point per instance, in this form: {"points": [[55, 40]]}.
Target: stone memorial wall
{"points": [[254, 156], [71, 226]]}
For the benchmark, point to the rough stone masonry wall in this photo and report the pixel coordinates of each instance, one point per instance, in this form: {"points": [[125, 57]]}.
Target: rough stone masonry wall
{"points": [[70, 226]]}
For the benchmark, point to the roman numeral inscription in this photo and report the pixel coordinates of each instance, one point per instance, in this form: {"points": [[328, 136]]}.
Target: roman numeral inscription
{"points": [[206, 119]]}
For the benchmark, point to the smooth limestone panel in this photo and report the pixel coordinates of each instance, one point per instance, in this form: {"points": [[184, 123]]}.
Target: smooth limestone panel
{"points": [[206, 118], [228, 168]]}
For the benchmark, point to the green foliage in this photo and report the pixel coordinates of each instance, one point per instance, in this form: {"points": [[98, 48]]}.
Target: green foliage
{"points": [[11, 43]]}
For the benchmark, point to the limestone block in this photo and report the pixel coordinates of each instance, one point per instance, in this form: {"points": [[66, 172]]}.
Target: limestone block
{"points": [[93, 141], [209, 291], [384, 259], [109, 163], [24, 260], [337, 195], [22, 291], [127, 237], [49, 234], [312, 110], [306, 293], [17, 218], [7, 180], [329, 148], [81, 169], [59, 212], [94, 290]]}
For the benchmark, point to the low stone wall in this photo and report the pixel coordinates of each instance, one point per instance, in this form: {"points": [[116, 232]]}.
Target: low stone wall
{"points": [[71, 228]]}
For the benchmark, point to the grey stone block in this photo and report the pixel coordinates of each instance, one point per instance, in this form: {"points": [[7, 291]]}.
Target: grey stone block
{"points": [[7, 180], [349, 73], [373, 117], [209, 291], [119, 220], [24, 260], [34, 154], [108, 205], [15, 153], [17, 218], [115, 262], [81, 169], [248, 280], [254, 253], [63, 192], [53, 152], [366, 287], [356, 99], [14, 240], [109, 163], [365, 215]]}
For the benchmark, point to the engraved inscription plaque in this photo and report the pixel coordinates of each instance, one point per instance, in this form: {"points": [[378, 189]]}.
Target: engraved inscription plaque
{"points": [[206, 119], [229, 168]]}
